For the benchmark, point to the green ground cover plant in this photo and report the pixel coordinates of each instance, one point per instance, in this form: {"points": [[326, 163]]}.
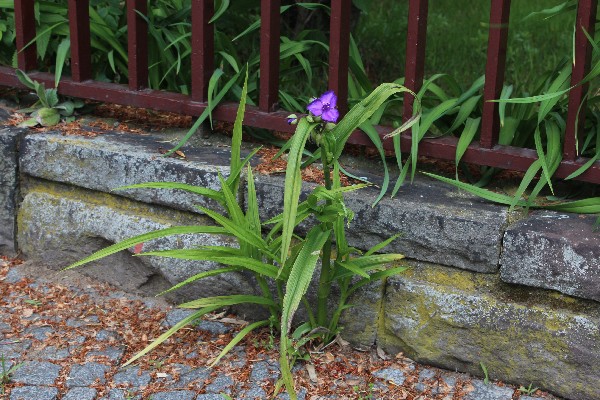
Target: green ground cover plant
{"points": [[283, 262]]}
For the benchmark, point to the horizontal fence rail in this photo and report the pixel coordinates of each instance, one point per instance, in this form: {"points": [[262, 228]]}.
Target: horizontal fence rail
{"points": [[486, 152]]}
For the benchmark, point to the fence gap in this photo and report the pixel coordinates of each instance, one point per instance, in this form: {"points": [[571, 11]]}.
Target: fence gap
{"points": [[269, 54], [203, 45], [25, 32], [137, 44], [339, 51], [79, 27], [586, 19], [494, 72], [415, 51]]}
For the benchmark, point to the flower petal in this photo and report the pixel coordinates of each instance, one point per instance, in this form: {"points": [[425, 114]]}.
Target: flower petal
{"points": [[331, 115], [330, 98], [316, 107]]}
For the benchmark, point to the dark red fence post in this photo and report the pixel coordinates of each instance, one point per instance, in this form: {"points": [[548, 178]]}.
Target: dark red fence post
{"points": [[586, 19], [415, 51], [79, 27], [494, 72], [25, 32], [269, 54], [203, 44], [137, 46], [339, 51]]}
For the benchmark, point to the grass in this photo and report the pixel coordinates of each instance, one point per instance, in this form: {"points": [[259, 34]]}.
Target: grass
{"points": [[457, 33]]}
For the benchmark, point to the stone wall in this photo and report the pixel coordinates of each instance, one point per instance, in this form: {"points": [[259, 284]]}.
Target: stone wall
{"points": [[521, 297]]}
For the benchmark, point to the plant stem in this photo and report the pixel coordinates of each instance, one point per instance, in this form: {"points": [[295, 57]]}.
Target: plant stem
{"points": [[325, 277]]}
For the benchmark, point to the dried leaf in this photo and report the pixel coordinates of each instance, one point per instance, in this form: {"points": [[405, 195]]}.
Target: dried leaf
{"points": [[382, 354], [312, 373]]}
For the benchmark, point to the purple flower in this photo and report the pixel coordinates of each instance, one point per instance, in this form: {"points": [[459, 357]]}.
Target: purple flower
{"points": [[325, 107]]}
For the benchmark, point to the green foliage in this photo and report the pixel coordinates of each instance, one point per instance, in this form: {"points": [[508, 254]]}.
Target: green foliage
{"points": [[6, 372], [48, 110], [529, 390], [282, 263]]}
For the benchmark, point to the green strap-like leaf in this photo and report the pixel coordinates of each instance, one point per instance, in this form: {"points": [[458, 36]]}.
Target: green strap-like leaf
{"points": [[293, 184], [170, 332], [248, 263], [224, 301], [238, 338], [210, 193], [199, 276], [301, 275], [125, 244]]}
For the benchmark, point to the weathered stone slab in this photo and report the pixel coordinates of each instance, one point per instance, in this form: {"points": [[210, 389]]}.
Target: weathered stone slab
{"points": [[437, 223], [59, 225], [457, 319], [554, 251], [9, 140], [108, 161]]}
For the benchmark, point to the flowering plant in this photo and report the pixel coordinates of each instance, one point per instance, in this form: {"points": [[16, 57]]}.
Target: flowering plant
{"points": [[282, 268]]}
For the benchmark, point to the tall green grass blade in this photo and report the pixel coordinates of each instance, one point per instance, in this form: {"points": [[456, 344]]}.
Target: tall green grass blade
{"points": [[125, 244], [293, 183], [210, 193], [223, 6], [248, 263], [371, 132], [236, 141], [505, 94], [376, 276], [238, 338], [61, 56], [199, 276], [225, 301], [382, 245], [301, 275], [464, 112], [471, 128], [171, 332]]}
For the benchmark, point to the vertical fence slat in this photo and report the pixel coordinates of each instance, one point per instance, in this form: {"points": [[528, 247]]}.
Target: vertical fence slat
{"points": [[269, 54], [137, 46], [203, 39], [339, 49], [25, 32], [79, 27], [415, 51], [494, 72], [586, 19]]}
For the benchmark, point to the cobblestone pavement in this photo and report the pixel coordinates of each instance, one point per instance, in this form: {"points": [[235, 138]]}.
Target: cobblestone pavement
{"points": [[69, 341]]}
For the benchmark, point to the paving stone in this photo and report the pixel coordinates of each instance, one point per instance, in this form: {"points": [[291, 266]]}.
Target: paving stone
{"points": [[393, 375], [553, 251], [13, 350], [213, 327], [86, 374], [262, 371], [34, 392], [209, 396], [488, 392], [177, 395], [426, 374], [36, 373], [188, 376], [176, 315], [54, 353], [121, 394], [114, 354], [4, 327], [254, 392], [221, 384], [40, 333], [80, 393], [284, 396], [107, 335], [13, 275], [133, 377]]}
